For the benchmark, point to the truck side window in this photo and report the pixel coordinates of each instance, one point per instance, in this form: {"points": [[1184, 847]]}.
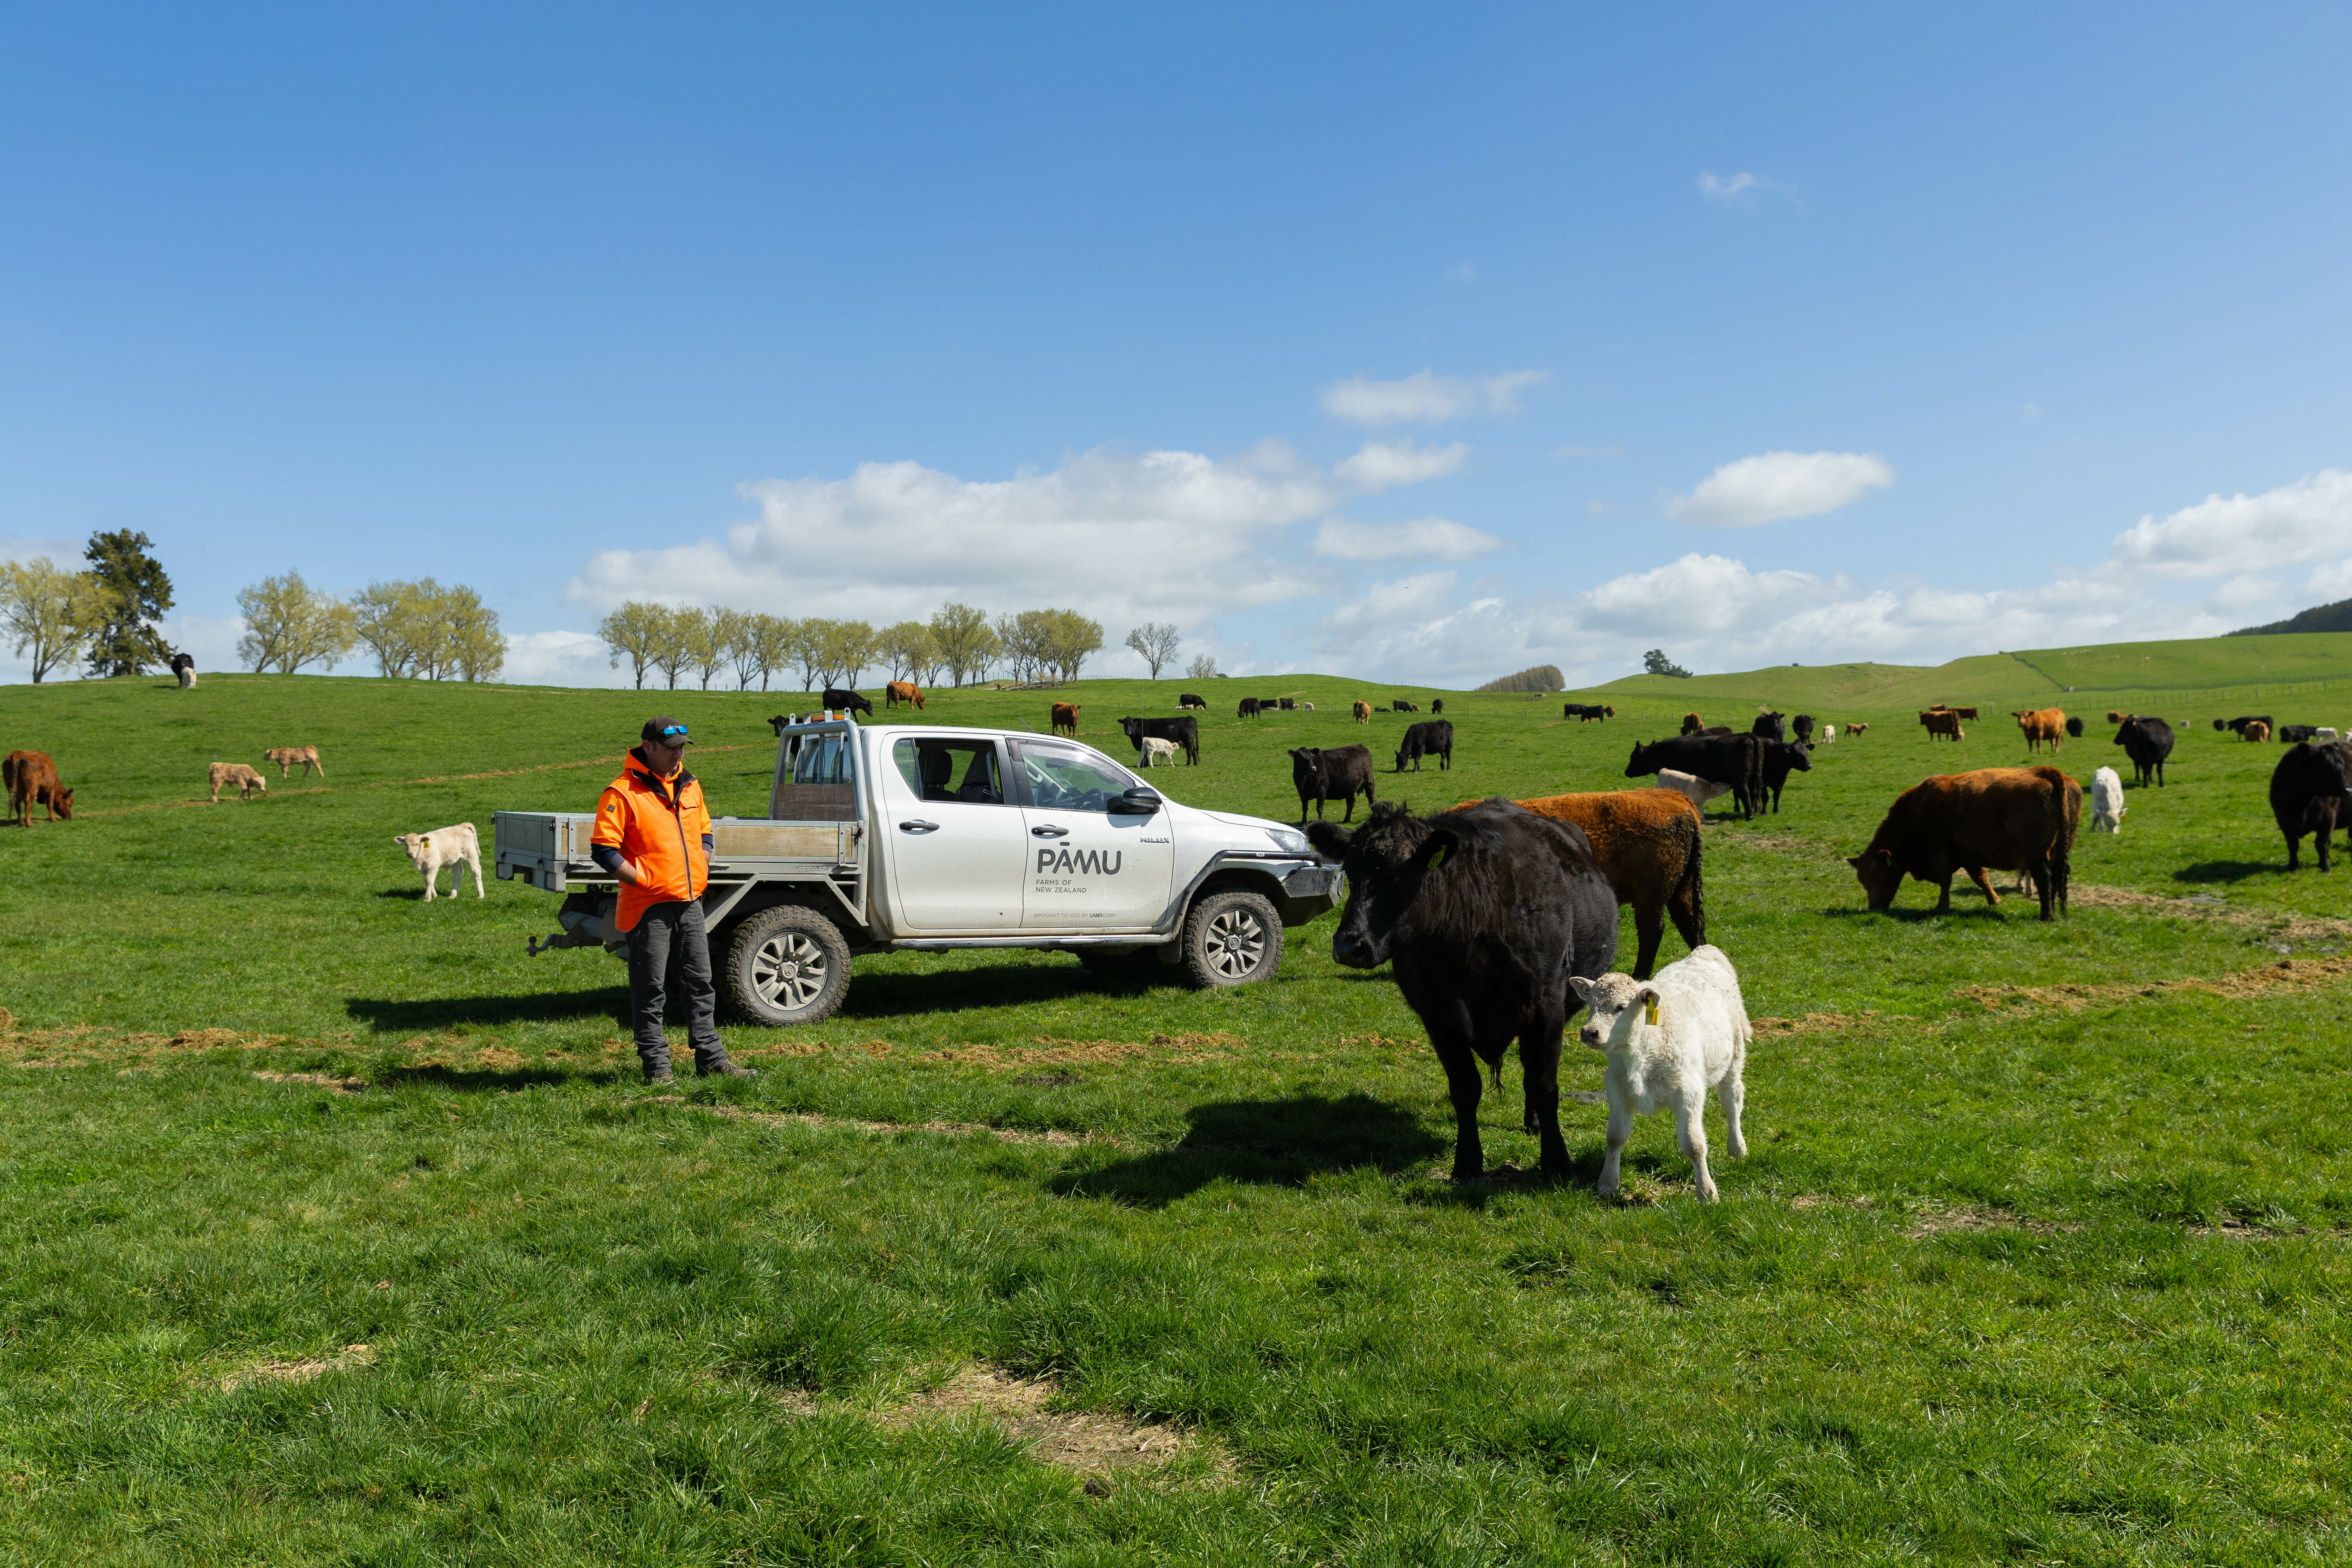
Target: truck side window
{"points": [[1061, 780], [963, 771]]}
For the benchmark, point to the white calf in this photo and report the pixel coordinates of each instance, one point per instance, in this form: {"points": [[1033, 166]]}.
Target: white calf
{"points": [[456, 847], [1668, 1042], [1151, 750], [1829, 734], [2106, 801], [2325, 732], [1700, 790]]}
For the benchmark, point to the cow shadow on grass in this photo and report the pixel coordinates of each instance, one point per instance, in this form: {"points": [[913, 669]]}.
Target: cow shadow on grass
{"points": [[433, 1015], [911, 993], [2229, 870], [1265, 1142], [497, 1080]]}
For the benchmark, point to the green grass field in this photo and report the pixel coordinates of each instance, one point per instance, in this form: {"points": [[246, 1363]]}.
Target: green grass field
{"points": [[2039, 1254]]}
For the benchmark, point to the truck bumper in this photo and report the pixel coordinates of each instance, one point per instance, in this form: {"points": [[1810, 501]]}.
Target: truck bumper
{"points": [[1309, 891]]}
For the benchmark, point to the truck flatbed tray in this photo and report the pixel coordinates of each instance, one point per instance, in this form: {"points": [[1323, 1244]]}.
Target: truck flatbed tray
{"points": [[549, 850]]}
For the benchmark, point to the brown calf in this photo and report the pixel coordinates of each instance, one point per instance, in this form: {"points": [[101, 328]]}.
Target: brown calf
{"points": [[1363, 713], [2040, 725], [899, 691], [30, 776], [2255, 730], [1942, 721], [1065, 718], [288, 757], [249, 782]]}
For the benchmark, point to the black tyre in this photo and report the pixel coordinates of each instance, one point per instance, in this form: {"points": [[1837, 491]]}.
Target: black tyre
{"points": [[787, 965], [1232, 938]]}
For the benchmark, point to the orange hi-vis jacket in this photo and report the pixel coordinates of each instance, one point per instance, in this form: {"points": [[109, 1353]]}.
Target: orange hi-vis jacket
{"points": [[659, 825]]}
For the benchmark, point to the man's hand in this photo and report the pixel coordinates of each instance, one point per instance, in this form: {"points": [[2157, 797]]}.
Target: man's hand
{"points": [[629, 873]]}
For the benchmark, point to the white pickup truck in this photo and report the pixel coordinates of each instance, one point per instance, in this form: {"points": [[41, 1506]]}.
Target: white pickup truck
{"points": [[889, 838]]}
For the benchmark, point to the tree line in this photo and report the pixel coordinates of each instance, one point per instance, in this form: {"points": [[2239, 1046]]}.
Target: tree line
{"points": [[700, 645], [416, 630], [104, 613]]}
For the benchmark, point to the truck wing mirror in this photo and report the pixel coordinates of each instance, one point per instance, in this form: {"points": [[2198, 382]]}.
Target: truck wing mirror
{"points": [[1136, 801]]}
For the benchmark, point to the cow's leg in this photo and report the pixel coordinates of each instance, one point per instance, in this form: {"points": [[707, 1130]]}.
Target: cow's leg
{"points": [[475, 861], [1463, 1086], [1620, 1127], [1944, 894], [432, 875], [1733, 1092], [1649, 928], [2294, 849], [1983, 882], [1690, 1131], [1539, 1070]]}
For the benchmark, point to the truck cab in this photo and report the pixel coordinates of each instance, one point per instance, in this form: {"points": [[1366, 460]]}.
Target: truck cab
{"points": [[883, 838]]}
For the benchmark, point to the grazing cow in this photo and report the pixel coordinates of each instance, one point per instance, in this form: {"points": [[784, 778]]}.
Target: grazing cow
{"points": [[837, 700], [2074, 726], [1066, 719], [1768, 727], [1194, 699], [1363, 713], [2309, 790], [2146, 741], [1399, 705], [1854, 730], [1780, 758], [247, 782], [1247, 710], [1668, 1042], [1691, 787], [1828, 734], [2010, 819], [1967, 713], [1484, 912], [2325, 732], [1607, 711], [897, 691], [1184, 731], [290, 757], [1430, 738], [1718, 730], [2288, 735], [2040, 724], [31, 779], [1646, 843], [185, 668], [1286, 704], [1693, 725], [456, 847], [1942, 721], [1309, 707], [2238, 726], [2255, 730], [1437, 705], [2107, 806], [1152, 749], [1734, 760], [1332, 773], [2115, 718], [1802, 726], [1269, 704]]}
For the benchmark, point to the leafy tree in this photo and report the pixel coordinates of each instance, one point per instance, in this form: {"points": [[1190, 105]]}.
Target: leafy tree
{"points": [[53, 615], [964, 641], [849, 649], [673, 645], [634, 631], [1203, 667], [1026, 641], [770, 637], [1535, 678], [706, 637], [422, 630], [1155, 642], [384, 618], [907, 648], [126, 642], [289, 624], [1655, 662], [1071, 640], [731, 630], [811, 639]]}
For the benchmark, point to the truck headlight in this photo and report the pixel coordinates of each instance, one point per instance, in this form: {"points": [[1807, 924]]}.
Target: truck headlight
{"points": [[1290, 840]]}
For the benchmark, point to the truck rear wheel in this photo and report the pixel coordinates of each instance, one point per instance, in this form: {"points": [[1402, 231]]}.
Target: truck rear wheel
{"points": [[1232, 938], [787, 965]]}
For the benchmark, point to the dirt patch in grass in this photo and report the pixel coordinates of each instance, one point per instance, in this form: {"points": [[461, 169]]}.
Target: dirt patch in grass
{"points": [[1942, 1221], [1049, 1136], [1810, 1024], [1091, 1443], [2294, 927], [1048, 1051], [325, 1080], [303, 1370], [2287, 974]]}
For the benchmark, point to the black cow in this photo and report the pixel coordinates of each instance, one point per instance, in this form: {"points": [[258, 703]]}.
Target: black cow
{"points": [[1484, 913], [2288, 735], [1269, 704], [1437, 705], [1399, 705], [2308, 791], [1734, 760], [1329, 773], [837, 699], [1248, 708], [1802, 726], [2146, 741], [1768, 727], [2075, 726], [1430, 738], [1287, 704], [2219, 724], [1194, 699], [1780, 757], [1184, 731], [2238, 726]]}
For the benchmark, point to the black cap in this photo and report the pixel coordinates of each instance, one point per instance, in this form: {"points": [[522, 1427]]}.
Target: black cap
{"points": [[661, 729]]}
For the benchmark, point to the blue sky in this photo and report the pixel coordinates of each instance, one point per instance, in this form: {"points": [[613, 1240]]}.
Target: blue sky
{"points": [[1414, 343]]}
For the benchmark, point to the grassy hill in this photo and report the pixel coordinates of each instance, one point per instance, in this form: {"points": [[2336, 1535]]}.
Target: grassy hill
{"points": [[338, 1229], [2315, 667]]}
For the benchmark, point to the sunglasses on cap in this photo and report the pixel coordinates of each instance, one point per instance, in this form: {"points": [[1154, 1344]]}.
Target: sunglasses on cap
{"points": [[669, 730]]}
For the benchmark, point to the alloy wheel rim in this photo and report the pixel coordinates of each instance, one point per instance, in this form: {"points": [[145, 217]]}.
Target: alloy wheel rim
{"points": [[790, 970], [1236, 943]]}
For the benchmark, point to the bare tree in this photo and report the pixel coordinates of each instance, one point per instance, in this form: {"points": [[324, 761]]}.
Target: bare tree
{"points": [[1204, 666], [1155, 642]]}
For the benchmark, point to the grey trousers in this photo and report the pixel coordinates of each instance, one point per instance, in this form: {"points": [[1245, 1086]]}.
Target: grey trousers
{"points": [[670, 943]]}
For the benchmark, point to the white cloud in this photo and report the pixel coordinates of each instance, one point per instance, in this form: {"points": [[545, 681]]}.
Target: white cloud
{"points": [[65, 553], [1383, 465], [2241, 593], [2309, 520], [1774, 485], [2330, 582], [1725, 190], [1437, 537], [561, 659], [1425, 398]]}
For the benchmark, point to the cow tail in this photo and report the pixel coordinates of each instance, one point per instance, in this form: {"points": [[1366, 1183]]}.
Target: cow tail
{"points": [[2062, 835], [1694, 882]]}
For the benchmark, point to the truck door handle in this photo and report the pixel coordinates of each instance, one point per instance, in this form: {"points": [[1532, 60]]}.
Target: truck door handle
{"points": [[916, 824], [1049, 831]]}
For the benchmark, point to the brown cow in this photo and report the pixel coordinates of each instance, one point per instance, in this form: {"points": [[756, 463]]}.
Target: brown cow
{"points": [[247, 782], [1646, 842], [30, 776], [1967, 713], [2255, 730], [898, 691], [1066, 717], [304, 757], [1363, 713], [1942, 721], [2115, 718], [2010, 819], [2040, 725], [1692, 723], [1855, 729]]}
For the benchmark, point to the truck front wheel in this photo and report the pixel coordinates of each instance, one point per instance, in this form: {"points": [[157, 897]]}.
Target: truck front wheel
{"points": [[1232, 938], [787, 965]]}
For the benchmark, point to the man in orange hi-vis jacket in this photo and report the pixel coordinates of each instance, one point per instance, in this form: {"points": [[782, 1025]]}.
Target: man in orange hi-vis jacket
{"points": [[653, 832]]}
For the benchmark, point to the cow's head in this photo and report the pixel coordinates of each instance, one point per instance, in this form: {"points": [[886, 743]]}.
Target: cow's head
{"points": [[1133, 728], [1637, 767], [1880, 876], [1387, 860], [415, 843], [1616, 1005], [1306, 764], [1799, 755], [61, 801]]}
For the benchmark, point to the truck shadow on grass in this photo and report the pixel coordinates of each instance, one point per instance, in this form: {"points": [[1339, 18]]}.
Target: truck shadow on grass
{"points": [[433, 1015], [1265, 1142]]}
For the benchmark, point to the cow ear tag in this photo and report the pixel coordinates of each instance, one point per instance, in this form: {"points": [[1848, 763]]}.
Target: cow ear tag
{"points": [[1653, 1011], [1439, 858]]}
